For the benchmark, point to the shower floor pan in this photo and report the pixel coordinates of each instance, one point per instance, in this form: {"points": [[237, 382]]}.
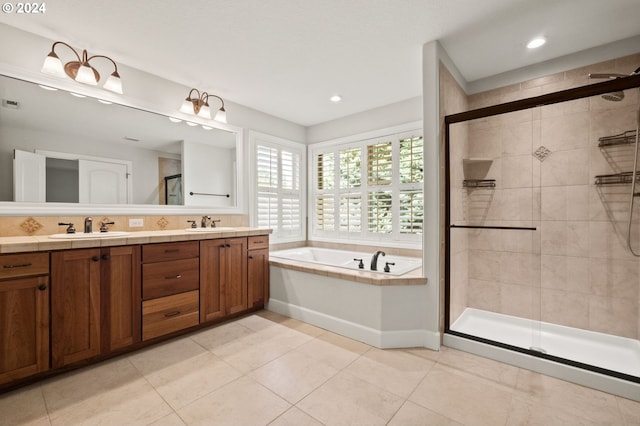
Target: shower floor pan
{"points": [[614, 353]]}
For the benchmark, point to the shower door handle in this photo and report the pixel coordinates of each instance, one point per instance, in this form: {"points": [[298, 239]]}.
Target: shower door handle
{"points": [[517, 228]]}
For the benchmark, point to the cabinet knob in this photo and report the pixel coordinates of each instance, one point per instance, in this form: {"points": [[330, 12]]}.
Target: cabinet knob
{"points": [[42, 287], [250, 257], [95, 258], [106, 257]]}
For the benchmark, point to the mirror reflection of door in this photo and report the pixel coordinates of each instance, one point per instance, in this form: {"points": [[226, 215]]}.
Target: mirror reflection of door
{"points": [[102, 182], [44, 178], [29, 176]]}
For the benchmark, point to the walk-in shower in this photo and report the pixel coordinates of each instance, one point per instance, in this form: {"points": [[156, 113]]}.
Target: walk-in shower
{"points": [[539, 227]]}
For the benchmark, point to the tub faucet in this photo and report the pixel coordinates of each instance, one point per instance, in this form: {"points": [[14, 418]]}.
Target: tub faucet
{"points": [[88, 225], [374, 260]]}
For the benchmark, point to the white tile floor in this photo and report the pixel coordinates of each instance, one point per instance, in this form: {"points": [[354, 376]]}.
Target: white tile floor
{"points": [[268, 369]]}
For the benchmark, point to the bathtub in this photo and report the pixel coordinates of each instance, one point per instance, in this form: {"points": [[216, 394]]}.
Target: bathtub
{"points": [[324, 287], [345, 259]]}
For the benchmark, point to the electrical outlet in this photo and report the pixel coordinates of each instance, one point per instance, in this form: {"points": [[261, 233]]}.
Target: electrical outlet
{"points": [[136, 223]]}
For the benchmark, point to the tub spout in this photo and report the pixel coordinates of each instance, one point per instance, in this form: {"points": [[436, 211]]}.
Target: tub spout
{"points": [[374, 260]]}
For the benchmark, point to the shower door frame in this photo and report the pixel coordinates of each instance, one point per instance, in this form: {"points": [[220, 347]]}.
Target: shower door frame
{"points": [[572, 94]]}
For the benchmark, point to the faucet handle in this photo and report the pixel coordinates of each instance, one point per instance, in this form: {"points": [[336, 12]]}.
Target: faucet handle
{"points": [[361, 264], [103, 226], [193, 223], [386, 266], [213, 222], [70, 228]]}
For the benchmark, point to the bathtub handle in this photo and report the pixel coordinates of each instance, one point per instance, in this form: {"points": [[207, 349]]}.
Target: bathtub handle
{"points": [[361, 264]]}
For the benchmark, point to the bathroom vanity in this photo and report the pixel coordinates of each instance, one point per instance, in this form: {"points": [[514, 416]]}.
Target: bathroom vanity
{"points": [[65, 303]]}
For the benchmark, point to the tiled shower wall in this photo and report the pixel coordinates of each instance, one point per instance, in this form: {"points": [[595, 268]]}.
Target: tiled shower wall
{"points": [[574, 270]]}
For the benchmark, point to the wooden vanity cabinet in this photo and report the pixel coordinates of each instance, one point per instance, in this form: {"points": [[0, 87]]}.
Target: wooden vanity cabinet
{"points": [[258, 271], [223, 278], [170, 287], [121, 297], [95, 302], [24, 315]]}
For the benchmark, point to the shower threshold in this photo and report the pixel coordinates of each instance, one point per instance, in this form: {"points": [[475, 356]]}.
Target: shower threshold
{"points": [[614, 353]]}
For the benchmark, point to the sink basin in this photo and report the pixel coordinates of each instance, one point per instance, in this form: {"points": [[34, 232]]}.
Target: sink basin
{"points": [[82, 235], [218, 228]]}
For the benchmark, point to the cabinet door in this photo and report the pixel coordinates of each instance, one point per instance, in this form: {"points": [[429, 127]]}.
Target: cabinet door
{"points": [[120, 282], [235, 275], [212, 300], [75, 305], [24, 327], [258, 277]]}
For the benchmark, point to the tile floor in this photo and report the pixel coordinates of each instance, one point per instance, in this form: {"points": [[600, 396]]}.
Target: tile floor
{"points": [[268, 369]]}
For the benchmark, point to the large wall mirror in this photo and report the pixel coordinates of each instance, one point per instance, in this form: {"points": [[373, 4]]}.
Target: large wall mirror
{"points": [[63, 152]]}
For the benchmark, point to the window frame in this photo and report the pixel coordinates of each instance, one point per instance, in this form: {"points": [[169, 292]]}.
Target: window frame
{"points": [[362, 141]]}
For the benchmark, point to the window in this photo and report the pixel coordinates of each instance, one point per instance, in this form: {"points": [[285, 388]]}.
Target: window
{"points": [[278, 186], [369, 189]]}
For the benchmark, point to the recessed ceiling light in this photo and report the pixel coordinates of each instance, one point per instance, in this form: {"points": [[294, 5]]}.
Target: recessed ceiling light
{"points": [[174, 120], [335, 98], [207, 127], [77, 95], [53, 89], [191, 123], [102, 101], [536, 42]]}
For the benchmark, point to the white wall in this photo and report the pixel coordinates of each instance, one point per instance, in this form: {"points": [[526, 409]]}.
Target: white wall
{"points": [[379, 118]]}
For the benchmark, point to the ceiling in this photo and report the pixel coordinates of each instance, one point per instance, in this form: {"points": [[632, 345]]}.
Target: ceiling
{"points": [[287, 57]]}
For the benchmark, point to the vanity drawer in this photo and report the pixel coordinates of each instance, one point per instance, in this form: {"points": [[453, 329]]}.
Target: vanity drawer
{"points": [[259, 242], [24, 264], [165, 315], [171, 277], [169, 251]]}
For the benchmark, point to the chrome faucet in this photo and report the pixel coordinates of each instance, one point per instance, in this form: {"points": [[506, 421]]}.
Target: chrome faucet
{"points": [[374, 260], [88, 225], [203, 222]]}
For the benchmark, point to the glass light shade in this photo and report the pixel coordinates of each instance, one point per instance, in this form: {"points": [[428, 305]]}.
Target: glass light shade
{"points": [[205, 112], [113, 83], [85, 75], [221, 116], [187, 107], [53, 66]]}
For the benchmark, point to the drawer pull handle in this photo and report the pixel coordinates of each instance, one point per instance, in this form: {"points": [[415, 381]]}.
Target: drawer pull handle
{"points": [[172, 277], [258, 242], [21, 265], [172, 314], [172, 250]]}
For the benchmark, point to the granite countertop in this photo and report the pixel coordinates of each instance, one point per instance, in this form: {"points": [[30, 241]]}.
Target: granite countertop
{"points": [[45, 243]]}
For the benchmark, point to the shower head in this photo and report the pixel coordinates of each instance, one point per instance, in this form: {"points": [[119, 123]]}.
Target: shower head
{"points": [[613, 96]]}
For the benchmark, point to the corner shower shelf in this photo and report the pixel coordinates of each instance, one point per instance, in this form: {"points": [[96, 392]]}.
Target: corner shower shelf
{"points": [[479, 183], [625, 138], [617, 178]]}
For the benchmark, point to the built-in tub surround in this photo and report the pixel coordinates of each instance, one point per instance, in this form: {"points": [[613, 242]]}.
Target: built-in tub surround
{"points": [[379, 309], [18, 226]]}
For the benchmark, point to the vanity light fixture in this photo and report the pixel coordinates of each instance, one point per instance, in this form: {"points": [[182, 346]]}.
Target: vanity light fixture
{"points": [[81, 70], [199, 105]]}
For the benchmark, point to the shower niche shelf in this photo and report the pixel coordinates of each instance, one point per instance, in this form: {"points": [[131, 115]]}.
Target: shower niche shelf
{"points": [[625, 138], [616, 178], [475, 173], [479, 183]]}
